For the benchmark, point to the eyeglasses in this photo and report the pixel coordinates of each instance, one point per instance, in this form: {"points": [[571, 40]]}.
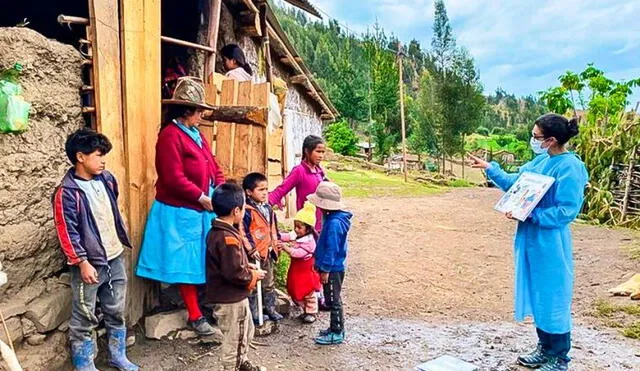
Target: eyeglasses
{"points": [[538, 137]]}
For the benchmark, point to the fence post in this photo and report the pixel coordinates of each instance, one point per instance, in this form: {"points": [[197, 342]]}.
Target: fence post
{"points": [[627, 186]]}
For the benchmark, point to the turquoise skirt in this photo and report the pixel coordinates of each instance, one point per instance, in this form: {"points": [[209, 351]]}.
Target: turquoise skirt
{"points": [[174, 245]]}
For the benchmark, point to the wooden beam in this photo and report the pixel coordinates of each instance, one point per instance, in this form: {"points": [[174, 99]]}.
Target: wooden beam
{"points": [[299, 79], [238, 114], [188, 44], [250, 25], [140, 45], [251, 6], [294, 64], [68, 19], [327, 116], [215, 6]]}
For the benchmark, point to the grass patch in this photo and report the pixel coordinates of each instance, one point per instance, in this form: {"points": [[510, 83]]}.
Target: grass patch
{"points": [[362, 183], [632, 331], [460, 183], [281, 269], [625, 317], [607, 309], [634, 251]]}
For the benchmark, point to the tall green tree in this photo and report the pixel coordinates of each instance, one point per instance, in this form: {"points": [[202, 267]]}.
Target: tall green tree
{"points": [[443, 43]]}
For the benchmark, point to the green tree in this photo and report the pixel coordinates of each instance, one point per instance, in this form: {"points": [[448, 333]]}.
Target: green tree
{"points": [[443, 43], [607, 136], [341, 138]]}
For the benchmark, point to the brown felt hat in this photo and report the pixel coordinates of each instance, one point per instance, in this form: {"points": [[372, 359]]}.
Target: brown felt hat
{"points": [[189, 91]]}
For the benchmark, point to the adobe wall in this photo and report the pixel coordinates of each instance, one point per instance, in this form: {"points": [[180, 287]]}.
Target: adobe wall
{"points": [[36, 299]]}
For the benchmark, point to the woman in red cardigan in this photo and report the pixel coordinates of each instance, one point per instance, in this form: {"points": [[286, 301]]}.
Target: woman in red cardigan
{"points": [[174, 245]]}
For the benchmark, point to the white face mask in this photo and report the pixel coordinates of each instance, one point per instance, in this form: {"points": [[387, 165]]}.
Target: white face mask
{"points": [[536, 146]]}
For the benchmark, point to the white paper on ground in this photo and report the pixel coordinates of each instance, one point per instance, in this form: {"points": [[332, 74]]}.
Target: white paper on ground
{"points": [[446, 363]]}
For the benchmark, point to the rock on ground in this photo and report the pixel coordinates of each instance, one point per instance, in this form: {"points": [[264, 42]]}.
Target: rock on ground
{"points": [[162, 324], [51, 310], [15, 330]]}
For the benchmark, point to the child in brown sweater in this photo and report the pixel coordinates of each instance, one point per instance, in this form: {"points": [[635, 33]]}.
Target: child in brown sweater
{"points": [[230, 278]]}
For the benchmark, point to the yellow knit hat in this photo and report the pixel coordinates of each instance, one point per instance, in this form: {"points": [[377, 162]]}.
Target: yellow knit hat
{"points": [[307, 214]]}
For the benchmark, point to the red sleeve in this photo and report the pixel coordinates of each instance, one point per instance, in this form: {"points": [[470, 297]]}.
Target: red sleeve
{"points": [[169, 166], [65, 217]]}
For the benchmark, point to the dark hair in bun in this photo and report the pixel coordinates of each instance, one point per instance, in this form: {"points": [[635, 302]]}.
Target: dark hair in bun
{"points": [[557, 126]]}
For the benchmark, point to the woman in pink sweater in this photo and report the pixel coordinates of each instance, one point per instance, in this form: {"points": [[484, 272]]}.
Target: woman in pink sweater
{"points": [[304, 177]]}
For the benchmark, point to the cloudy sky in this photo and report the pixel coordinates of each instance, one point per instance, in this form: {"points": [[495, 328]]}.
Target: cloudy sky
{"points": [[520, 45]]}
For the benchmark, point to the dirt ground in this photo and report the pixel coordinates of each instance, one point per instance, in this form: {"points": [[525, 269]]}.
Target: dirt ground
{"points": [[433, 276]]}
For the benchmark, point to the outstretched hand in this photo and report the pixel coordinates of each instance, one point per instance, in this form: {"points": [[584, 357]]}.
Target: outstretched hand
{"points": [[478, 163]]}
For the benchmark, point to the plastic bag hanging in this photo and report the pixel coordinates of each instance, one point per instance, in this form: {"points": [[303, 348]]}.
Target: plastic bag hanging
{"points": [[14, 110]]}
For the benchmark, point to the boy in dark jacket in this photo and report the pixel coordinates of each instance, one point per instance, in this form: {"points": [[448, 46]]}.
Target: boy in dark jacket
{"points": [[330, 256], [230, 277], [93, 237], [261, 229]]}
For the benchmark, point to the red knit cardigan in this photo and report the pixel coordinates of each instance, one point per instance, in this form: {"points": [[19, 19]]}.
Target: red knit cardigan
{"points": [[184, 169]]}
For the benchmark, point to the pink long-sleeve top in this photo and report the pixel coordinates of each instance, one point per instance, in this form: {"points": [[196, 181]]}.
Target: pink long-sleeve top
{"points": [[305, 181], [303, 248]]}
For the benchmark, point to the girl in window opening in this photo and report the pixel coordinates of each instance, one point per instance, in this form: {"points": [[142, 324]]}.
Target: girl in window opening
{"points": [[235, 63]]}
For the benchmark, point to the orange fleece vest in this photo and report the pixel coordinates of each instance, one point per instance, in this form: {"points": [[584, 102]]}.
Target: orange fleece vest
{"points": [[264, 234]]}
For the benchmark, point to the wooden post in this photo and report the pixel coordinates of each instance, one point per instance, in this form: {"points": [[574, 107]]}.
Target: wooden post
{"points": [[266, 49], [140, 48], [404, 139], [627, 185], [215, 7], [463, 155], [105, 79]]}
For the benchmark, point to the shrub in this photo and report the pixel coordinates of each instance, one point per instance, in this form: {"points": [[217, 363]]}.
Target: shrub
{"points": [[341, 138]]}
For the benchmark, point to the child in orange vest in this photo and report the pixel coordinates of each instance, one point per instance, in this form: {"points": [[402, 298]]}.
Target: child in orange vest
{"points": [[261, 229], [302, 280]]}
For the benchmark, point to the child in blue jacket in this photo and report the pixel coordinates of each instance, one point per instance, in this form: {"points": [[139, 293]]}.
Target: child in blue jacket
{"points": [[93, 237], [330, 256]]}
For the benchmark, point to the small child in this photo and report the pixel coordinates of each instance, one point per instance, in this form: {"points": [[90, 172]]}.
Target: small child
{"points": [[261, 229], [93, 236], [331, 254], [230, 278], [302, 280]]}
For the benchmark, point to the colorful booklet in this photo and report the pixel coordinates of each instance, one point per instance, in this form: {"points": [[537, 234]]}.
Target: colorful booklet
{"points": [[524, 195]]}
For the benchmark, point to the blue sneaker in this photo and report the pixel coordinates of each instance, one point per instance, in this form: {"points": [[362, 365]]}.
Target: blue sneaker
{"points": [[327, 331], [534, 359], [331, 338], [555, 364]]}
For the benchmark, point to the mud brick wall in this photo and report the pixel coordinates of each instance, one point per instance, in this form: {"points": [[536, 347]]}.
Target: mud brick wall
{"points": [[36, 299]]}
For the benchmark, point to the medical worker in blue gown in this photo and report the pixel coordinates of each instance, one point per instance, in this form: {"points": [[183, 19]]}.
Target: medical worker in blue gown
{"points": [[543, 243]]}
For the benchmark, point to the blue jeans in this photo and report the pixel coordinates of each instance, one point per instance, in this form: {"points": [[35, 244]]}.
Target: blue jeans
{"points": [[111, 289], [555, 345]]}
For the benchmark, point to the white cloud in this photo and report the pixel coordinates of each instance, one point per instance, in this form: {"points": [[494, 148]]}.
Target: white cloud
{"points": [[521, 45]]}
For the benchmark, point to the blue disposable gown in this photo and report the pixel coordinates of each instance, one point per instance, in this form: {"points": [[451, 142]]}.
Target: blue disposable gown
{"points": [[543, 248]]}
